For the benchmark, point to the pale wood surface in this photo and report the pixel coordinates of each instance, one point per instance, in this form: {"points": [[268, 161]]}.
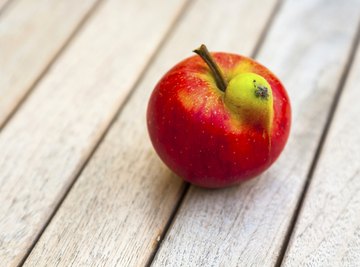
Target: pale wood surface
{"points": [[31, 35], [246, 225], [3, 4], [327, 232], [125, 195], [79, 187], [45, 144]]}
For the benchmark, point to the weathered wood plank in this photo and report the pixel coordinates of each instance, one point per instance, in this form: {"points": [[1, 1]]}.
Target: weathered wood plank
{"points": [[307, 47], [117, 211], [31, 35], [327, 232], [44, 146]]}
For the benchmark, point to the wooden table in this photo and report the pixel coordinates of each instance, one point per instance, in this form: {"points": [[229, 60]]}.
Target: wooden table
{"points": [[80, 184]]}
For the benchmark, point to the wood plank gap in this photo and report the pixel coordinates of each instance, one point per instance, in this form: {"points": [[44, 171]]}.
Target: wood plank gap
{"points": [[319, 149], [5, 6], [56, 56], [266, 29], [185, 189], [255, 51], [173, 24]]}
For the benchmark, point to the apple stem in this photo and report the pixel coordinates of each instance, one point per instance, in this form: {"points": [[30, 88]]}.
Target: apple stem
{"points": [[220, 80]]}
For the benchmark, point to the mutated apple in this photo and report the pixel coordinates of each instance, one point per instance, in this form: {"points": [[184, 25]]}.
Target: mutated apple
{"points": [[218, 119]]}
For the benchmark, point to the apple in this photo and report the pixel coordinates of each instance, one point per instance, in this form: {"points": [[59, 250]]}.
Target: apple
{"points": [[216, 119]]}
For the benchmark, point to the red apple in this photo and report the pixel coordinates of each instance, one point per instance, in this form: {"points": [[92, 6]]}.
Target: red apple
{"points": [[218, 119]]}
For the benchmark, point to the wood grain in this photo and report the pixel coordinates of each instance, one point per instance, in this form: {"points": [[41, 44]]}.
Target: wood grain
{"points": [[31, 35], [117, 211], [327, 232], [246, 225], [46, 143]]}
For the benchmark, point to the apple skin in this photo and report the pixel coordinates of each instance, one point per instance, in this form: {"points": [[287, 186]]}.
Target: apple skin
{"points": [[199, 138]]}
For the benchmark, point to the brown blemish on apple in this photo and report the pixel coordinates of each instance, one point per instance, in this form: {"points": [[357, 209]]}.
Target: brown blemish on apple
{"points": [[261, 91]]}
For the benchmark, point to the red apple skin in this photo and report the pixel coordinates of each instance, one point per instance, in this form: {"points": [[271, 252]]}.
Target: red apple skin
{"points": [[199, 138]]}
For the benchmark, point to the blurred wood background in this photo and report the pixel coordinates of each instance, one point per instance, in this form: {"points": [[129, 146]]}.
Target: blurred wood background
{"points": [[80, 184]]}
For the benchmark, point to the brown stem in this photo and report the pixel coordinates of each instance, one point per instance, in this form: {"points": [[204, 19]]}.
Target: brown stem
{"points": [[220, 80]]}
